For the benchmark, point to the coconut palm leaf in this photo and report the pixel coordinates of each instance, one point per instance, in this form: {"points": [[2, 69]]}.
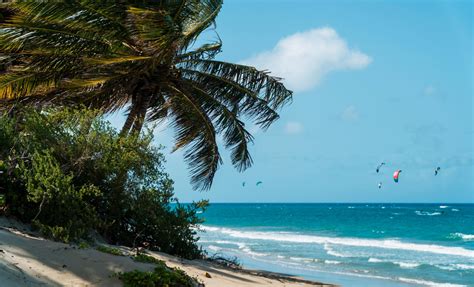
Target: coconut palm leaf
{"points": [[139, 56]]}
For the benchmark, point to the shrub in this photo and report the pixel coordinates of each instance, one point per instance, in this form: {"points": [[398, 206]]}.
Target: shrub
{"points": [[69, 172], [110, 250], [162, 275], [147, 259]]}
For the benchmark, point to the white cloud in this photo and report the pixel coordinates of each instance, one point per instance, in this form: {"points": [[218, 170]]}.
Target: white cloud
{"points": [[350, 114], [303, 59], [293, 128]]}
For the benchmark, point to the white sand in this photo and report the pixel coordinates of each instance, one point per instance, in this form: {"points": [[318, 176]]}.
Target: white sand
{"points": [[32, 261]]}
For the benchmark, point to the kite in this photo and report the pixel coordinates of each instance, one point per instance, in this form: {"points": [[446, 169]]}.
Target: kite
{"points": [[379, 166], [396, 175], [437, 170]]}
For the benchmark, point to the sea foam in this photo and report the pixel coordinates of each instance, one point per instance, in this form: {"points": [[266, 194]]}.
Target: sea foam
{"points": [[405, 265], [426, 213], [465, 237], [429, 283], [345, 241]]}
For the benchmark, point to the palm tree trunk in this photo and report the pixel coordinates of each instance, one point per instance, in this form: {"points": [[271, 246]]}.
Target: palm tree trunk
{"points": [[141, 116], [131, 117]]}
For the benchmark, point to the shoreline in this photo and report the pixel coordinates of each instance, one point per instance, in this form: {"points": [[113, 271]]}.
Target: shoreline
{"points": [[27, 259]]}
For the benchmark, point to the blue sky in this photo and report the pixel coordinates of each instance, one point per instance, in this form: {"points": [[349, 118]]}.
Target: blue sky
{"points": [[374, 81]]}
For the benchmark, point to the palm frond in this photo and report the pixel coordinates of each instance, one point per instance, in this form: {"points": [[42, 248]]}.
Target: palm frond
{"points": [[235, 136], [240, 99], [198, 16], [206, 51], [80, 16], [271, 88], [23, 84], [195, 132]]}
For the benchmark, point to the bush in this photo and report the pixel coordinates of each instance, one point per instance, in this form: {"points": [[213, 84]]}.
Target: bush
{"points": [[69, 173], [110, 250], [147, 259], [162, 275]]}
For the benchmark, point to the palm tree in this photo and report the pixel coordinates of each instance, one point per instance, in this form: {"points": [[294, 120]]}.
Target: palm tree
{"points": [[143, 56]]}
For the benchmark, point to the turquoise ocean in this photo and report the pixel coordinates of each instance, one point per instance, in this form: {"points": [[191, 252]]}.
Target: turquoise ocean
{"points": [[348, 244]]}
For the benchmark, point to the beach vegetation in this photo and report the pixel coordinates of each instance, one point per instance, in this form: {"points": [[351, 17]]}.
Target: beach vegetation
{"points": [[147, 259], [110, 250], [70, 173], [162, 275]]}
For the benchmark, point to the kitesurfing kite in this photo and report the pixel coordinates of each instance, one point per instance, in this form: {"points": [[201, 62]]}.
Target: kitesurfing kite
{"points": [[258, 183], [380, 185], [437, 170], [243, 184], [396, 175], [379, 166]]}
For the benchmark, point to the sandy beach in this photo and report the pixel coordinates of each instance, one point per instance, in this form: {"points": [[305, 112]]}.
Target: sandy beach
{"points": [[29, 260]]}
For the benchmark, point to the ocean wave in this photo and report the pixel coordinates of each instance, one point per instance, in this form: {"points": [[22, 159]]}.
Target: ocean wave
{"points": [[428, 283], [443, 206], [240, 245], [464, 266], [426, 213], [454, 267], [214, 248], [375, 260], [331, 251], [405, 265], [454, 209], [465, 237], [366, 274], [345, 241], [249, 251], [302, 259], [334, 262]]}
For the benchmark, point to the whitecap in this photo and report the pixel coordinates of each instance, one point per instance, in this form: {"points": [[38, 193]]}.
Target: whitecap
{"points": [[443, 206], [332, 262], [331, 251], [454, 209], [253, 253], [428, 283], [463, 266], [301, 259], [454, 267], [375, 260], [214, 248], [240, 245], [407, 265], [465, 237], [426, 213], [392, 244]]}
